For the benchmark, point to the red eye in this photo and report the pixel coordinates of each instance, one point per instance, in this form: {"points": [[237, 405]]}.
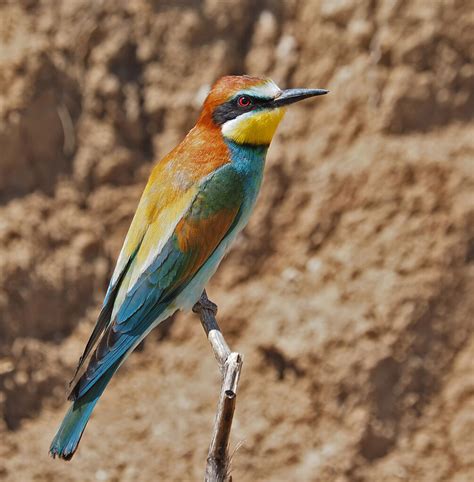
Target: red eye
{"points": [[244, 101]]}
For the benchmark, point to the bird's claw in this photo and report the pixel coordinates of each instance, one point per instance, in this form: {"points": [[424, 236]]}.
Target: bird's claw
{"points": [[205, 303]]}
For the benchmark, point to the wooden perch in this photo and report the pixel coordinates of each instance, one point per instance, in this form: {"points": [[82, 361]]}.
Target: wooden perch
{"points": [[230, 364]]}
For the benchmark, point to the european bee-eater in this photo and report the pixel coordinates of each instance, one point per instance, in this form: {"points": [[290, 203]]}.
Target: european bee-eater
{"points": [[197, 199]]}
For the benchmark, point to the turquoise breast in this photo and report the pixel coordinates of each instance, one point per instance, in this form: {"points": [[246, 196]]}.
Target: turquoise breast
{"points": [[249, 162]]}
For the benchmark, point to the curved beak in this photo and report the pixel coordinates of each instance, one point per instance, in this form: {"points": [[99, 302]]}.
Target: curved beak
{"points": [[290, 96]]}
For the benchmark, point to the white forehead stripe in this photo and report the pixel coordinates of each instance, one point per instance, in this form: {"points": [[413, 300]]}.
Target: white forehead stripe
{"points": [[267, 89]]}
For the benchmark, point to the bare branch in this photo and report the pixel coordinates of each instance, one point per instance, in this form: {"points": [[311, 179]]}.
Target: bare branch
{"points": [[230, 365]]}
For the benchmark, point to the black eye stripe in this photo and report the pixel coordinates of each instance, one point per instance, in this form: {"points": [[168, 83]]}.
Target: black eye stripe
{"points": [[231, 109]]}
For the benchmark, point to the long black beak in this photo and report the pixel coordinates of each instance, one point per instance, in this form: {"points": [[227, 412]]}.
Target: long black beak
{"points": [[289, 96]]}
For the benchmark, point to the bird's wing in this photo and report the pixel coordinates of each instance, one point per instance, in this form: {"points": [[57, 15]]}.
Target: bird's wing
{"points": [[104, 317], [210, 216], [160, 208]]}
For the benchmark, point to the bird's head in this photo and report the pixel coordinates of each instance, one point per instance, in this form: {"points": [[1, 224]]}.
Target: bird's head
{"points": [[249, 109]]}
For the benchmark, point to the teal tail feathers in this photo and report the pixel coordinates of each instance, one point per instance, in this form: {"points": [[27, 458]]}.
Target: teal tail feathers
{"points": [[72, 427]]}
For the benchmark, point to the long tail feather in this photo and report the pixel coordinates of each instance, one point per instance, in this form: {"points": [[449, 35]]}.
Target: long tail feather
{"points": [[72, 427]]}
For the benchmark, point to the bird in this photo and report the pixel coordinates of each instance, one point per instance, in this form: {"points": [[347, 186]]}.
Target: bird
{"points": [[196, 201]]}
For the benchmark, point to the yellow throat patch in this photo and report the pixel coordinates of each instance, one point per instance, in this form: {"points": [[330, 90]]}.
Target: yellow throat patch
{"points": [[255, 127]]}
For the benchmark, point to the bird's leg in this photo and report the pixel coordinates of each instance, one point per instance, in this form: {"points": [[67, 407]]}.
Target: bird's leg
{"points": [[207, 310], [230, 364], [205, 303]]}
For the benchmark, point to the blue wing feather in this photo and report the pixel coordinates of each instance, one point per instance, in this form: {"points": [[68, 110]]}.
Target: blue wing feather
{"points": [[103, 320], [144, 303]]}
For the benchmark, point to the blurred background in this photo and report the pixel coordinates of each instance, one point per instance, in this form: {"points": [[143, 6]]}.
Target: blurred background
{"points": [[351, 291]]}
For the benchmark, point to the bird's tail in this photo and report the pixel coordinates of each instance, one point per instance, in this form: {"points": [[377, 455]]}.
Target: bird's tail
{"points": [[72, 427]]}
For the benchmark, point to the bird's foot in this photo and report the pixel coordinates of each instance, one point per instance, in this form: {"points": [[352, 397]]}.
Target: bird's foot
{"points": [[205, 303]]}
